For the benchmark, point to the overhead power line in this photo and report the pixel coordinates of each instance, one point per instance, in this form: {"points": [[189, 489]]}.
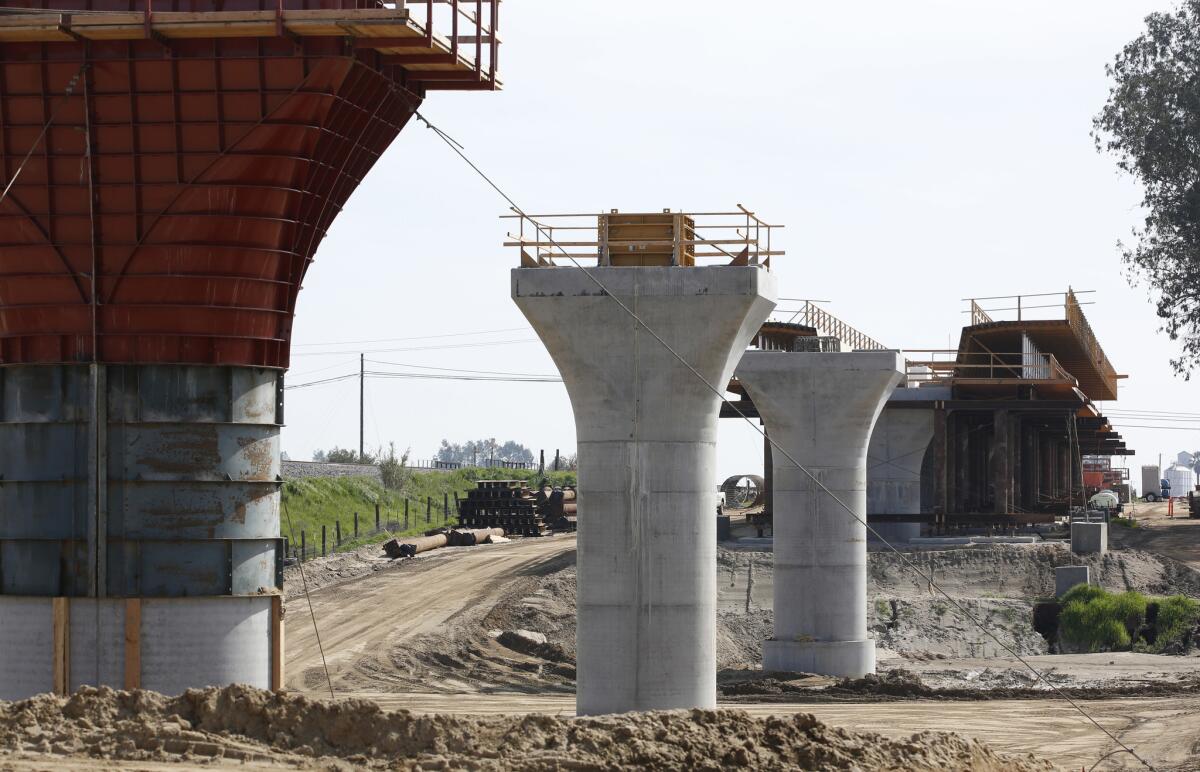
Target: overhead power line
{"points": [[459, 370], [480, 344], [414, 337], [502, 377], [448, 377]]}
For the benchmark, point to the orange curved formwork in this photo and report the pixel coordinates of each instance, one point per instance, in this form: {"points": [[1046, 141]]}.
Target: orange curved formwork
{"points": [[178, 187]]}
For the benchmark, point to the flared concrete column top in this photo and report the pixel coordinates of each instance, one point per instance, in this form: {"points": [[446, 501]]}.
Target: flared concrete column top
{"points": [[811, 394], [612, 366]]}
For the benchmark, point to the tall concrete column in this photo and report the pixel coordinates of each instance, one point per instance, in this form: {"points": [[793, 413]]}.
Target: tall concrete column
{"points": [[821, 409], [894, 458], [647, 431]]}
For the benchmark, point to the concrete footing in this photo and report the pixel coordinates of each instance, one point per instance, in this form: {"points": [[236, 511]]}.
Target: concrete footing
{"points": [[840, 658], [821, 409], [1089, 538], [896, 533], [1066, 577], [646, 430]]}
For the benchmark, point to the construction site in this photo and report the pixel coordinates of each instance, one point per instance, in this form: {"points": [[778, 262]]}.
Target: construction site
{"points": [[933, 559]]}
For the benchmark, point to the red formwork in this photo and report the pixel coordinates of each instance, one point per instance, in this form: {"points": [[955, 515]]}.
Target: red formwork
{"points": [[177, 190]]}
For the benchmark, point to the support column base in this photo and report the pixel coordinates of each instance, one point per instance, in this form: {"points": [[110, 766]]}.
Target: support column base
{"points": [[844, 659]]}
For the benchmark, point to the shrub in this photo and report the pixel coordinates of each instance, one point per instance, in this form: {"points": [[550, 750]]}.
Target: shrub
{"points": [[1083, 593], [393, 470], [1094, 625], [1177, 618], [1130, 609]]}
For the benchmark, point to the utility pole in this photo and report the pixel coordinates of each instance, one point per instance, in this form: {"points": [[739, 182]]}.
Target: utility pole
{"points": [[362, 379]]}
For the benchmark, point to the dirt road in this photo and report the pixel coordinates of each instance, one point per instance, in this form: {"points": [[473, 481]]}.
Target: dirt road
{"points": [[363, 620], [1177, 537]]}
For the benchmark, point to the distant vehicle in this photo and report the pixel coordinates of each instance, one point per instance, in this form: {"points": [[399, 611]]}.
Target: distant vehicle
{"points": [[1151, 483]]}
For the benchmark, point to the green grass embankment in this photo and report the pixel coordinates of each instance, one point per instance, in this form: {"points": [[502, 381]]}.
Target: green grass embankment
{"points": [[316, 501], [1094, 619]]}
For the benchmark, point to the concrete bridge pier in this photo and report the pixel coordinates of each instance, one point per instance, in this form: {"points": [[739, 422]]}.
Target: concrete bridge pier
{"points": [[647, 430], [821, 408]]}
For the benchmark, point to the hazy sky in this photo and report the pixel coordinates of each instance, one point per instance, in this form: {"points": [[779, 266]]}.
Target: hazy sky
{"points": [[918, 152]]}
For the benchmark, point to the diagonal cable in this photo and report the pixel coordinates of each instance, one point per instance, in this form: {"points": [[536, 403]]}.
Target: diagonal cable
{"points": [[458, 149]]}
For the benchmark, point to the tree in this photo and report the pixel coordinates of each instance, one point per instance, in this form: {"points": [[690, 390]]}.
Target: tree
{"points": [[483, 451], [1151, 125], [336, 455]]}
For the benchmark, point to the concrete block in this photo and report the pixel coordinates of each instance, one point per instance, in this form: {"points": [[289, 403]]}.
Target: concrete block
{"points": [[1089, 538], [1066, 577]]}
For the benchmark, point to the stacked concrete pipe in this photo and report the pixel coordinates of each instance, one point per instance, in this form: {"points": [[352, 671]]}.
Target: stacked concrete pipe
{"points": [[647, 430], [820, 408]]}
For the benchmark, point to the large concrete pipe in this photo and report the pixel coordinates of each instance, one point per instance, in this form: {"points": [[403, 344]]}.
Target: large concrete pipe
{"points": [[820, 408], [469, 537], [647, 430]]}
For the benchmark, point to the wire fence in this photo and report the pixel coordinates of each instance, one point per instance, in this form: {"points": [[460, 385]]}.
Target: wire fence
{"points": [[349, 533], [433, 464]]}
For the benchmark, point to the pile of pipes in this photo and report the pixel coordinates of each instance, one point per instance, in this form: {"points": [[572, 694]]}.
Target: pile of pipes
{"points": [[441, 537], [559, 507], [506, 504]]}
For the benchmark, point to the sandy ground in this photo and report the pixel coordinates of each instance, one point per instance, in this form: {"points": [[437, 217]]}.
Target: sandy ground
{"points": [[435, 635], [436, 600], [236, 724], [363, 622], [1177, 537], [1165, 731]]}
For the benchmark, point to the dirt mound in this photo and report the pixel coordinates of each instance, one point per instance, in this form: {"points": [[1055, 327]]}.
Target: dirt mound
{"points": [[238, 722], [901, 684]]}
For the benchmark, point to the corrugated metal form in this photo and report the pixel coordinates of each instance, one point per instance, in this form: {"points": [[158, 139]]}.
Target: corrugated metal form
{"points": [[170, 193], [167, 173], [188, 491]]}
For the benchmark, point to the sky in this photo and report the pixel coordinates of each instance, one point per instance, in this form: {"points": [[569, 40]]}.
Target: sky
{"points": [[918, 153]]}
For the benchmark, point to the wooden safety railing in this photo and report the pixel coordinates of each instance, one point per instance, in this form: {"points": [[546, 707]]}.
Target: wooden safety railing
{"points": [[959, 367], [660, 238], [812, 315]]}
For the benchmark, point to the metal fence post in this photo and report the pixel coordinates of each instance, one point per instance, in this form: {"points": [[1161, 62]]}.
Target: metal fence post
{"points": [[322, 540], [356, 525], [303, 546], [406, 514], [445, 507], [337, 530], [377, 517], [428, 508]]}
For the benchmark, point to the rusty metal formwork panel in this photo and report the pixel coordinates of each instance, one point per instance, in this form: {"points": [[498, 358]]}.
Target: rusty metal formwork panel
{"points": [[177, 190], [190, 481]]}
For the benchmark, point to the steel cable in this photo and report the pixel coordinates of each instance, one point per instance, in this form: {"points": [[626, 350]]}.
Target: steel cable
{"points": [[308, 597], [459, 150]]}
